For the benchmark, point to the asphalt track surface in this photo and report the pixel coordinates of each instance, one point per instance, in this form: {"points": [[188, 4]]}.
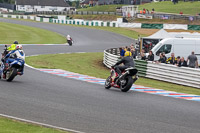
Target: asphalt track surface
{"points": [[87, 107]]}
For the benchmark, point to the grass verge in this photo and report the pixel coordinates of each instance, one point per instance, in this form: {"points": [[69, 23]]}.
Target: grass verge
{"points": [[191, 8], [102, 8], [91, 64], [13, 126], [28, 35], [96, 17]]}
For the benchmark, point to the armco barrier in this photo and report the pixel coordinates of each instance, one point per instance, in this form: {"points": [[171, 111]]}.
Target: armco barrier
{"points": [[163, 72], [170, 73]]}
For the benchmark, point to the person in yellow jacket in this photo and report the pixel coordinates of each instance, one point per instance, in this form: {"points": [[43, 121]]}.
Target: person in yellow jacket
{"points": [[13, 46]]}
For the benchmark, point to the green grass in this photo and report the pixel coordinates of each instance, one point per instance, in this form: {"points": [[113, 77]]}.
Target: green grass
{"points": [[92, 64], [122, 31], [28, 35], [102, 8], [105, 17], [12, 126], [167, 6]]}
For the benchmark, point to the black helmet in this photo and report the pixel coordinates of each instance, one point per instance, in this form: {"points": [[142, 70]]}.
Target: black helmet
{"points": [[16, 42]]}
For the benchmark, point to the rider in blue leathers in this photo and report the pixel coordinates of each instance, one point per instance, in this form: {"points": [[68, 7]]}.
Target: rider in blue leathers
{"points": [[16, 55]]}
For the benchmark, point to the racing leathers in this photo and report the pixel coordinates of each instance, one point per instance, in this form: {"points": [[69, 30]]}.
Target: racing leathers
{"points": [[16, 55], [12, 47], [127, 61]]}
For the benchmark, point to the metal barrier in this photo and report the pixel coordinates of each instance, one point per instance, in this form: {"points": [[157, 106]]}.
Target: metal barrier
{"points": [[68, 13], [171, 16], [163, 72]]}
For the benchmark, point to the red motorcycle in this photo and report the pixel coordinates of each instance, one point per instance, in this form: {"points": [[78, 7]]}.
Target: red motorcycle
{"points": [[124, 82]]}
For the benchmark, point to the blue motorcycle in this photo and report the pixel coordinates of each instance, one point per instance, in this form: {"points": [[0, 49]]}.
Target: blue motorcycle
{"points": [[13, 69]]}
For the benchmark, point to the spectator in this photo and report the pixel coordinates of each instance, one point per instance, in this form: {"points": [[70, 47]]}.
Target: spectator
{"points": [[178, 60], [152, 11], [126, 48], [193, 62], [144, 11], [122, 52], [133, 52], [181, 13], [151, 56], [165, 58], [142, 54], [182, 63], [172, 59], [147, 11], [162, 58]]}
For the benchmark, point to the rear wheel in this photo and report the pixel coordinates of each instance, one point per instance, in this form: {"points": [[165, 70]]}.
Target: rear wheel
{"points": [[108, 83], [126, 83], [10, 75]]}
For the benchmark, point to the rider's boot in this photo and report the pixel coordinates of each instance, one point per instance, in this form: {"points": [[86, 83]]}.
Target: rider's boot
{"points": [[136, 78], [4, 76], [117, 77], [6, 66]]}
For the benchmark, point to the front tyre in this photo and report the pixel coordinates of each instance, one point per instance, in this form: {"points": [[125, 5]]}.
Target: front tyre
{"points": [[69, 42], [10, 75], [108, 83], [126, 83]]}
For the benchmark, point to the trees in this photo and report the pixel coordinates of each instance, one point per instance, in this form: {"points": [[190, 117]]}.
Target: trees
{"points": [[7, 1], [74, 3]]}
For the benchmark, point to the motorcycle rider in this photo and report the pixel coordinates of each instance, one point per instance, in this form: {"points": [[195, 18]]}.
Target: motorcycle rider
{"points": [[13, 46], [69, 39], [127, 60], [17, 54]]}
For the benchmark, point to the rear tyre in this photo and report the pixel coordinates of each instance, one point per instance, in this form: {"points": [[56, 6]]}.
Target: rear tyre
{"points": [[10, 75], [108, 83], [126, 84]]}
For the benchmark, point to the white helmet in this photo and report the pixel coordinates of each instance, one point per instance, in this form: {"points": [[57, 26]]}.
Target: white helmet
{"points": [[19, 46], [68, 35]]}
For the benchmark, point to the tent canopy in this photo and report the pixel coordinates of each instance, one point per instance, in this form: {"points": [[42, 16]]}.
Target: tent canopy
{"points": [[161, 34]]}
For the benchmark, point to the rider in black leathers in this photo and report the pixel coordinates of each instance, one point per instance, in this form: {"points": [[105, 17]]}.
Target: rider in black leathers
{"points": [[127, 61]]}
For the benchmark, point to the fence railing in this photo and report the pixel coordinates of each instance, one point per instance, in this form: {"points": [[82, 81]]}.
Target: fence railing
{"points": [[170, 16], [68, 13], [163, 72]]}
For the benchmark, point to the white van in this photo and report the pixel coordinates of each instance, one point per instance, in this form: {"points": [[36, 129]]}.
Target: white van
{"points": [[179, 46]]}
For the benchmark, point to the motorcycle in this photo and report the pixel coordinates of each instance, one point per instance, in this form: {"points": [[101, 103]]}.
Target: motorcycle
{"points": [[13, 69], [70, 42], [124, 82]]}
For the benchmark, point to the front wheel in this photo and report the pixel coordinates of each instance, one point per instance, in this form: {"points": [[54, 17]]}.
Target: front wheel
{"points": [[10, 75], [126, 83], [69, 42], [108, 83]]}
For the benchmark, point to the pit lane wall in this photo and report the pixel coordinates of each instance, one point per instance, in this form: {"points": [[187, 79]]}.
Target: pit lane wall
{"points": [[118, 23], [163, 72]]}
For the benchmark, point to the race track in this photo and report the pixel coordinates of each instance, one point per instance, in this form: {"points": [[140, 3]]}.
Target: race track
{"points": [[87, 107]]}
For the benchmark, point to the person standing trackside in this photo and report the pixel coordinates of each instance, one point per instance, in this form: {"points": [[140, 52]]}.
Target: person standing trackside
{"points": [[193, 62]]}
